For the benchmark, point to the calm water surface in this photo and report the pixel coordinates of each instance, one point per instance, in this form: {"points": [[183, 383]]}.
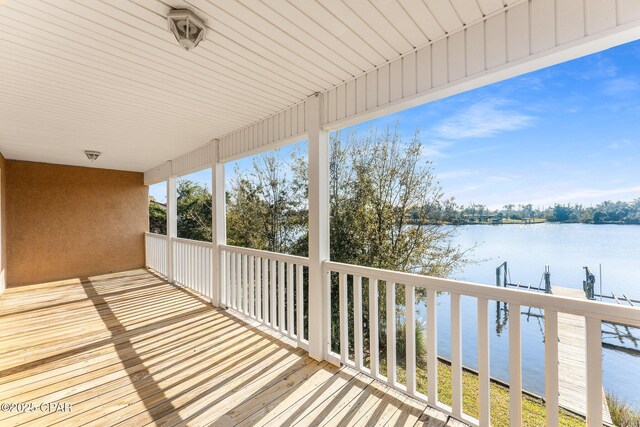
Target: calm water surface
{"points": [[566, 248]]}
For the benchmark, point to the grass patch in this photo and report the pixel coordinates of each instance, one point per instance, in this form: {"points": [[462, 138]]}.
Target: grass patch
{"points": [[622, 414], [533, 410]]}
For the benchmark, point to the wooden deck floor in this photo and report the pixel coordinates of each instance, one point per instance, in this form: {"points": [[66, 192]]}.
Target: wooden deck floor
{"points": [[129, 349]]}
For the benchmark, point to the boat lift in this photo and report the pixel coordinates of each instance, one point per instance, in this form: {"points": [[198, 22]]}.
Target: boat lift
{"points": [[614, 336], [503, 279]]}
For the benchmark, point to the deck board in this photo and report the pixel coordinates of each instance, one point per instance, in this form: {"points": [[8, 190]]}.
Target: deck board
{"points": [[572, 365], [130, 349]]}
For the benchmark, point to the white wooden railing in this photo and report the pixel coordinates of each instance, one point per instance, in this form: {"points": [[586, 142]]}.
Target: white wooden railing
{"points": [[593, 312], [267, 287], [190, 261], [192, 265], [273, 289], [157, 247]]}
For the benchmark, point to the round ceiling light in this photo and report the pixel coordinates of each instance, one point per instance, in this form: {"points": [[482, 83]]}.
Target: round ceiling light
{"points": [[188, 29]]}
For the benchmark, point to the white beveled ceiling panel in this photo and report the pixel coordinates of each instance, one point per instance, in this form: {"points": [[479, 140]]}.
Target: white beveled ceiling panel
{"points": [[109, 76]]}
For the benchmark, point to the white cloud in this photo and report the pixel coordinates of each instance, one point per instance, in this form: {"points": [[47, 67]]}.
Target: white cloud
{"points": [[621, 86], [435, 148], [483, 119]]}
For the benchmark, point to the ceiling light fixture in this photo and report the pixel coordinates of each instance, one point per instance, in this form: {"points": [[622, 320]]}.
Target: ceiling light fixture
{"points": [[187, 27], [92, 155]]}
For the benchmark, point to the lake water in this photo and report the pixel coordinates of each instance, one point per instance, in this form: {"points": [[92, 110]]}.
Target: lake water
{"points": [[566, 248]]}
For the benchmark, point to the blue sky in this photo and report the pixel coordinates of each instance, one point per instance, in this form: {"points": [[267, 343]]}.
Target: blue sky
{"points": [[565, 134]]}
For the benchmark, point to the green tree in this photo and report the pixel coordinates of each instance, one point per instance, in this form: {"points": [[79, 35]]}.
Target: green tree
{"points": [[245, 216], [378, 183], [157, 217], [194, 211], [265, 208]]}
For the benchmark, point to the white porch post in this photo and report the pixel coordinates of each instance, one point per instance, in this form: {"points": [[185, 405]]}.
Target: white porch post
{"points": [[318, 228], [172, 223], [219, 223]]}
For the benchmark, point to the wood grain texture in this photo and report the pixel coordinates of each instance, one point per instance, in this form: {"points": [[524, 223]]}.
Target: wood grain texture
{"points": [[129, 348]]}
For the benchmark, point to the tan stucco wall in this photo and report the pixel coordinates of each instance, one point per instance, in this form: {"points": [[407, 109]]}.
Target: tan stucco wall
{"points": [[68, 221]]}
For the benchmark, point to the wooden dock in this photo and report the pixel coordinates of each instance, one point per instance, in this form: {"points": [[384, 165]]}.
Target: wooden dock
{"points": [[572, 367]]}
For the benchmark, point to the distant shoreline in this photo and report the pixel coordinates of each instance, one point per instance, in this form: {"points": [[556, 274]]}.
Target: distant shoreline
{"points": [[534, 221]]}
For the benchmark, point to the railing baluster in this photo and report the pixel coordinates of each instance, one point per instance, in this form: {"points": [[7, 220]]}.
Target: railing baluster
{"points": [[300, 302], [515, 367], [245, 285], [179, 267], [357, 321], [391, 333], [200, 270], [265, 290], [200, 266], [252, 287], [258, 280], [239, 280], [206, 255], [594, 372], [483, 363], [290, 299], [551, 366], [373, 326], [432, 347], [229, 279], [193, 268], [210, 264], [456, 357], [272, 285], [197, 268], [344, 318], [326, 308], [178, 263], [186, 271], [410, 339], [223, 277], [173, 258], [281, 290], [232, 281], [189, 266], [175, 261]]}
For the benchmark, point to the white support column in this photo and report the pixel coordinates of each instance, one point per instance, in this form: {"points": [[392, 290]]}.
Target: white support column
{"points": [[219, 224], [318, 228], [172, 223]]}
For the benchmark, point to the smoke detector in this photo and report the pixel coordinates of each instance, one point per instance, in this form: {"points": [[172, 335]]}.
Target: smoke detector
{"points": [[92, 155], [187, 27]]}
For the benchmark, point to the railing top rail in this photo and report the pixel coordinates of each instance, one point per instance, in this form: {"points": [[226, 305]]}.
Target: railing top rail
{"points": [[595, 309], [294, 259], [192, 242], [155, 235]]}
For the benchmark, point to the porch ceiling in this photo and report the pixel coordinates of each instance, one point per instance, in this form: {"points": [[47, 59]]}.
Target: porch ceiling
{"points": [[110, 77]]}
